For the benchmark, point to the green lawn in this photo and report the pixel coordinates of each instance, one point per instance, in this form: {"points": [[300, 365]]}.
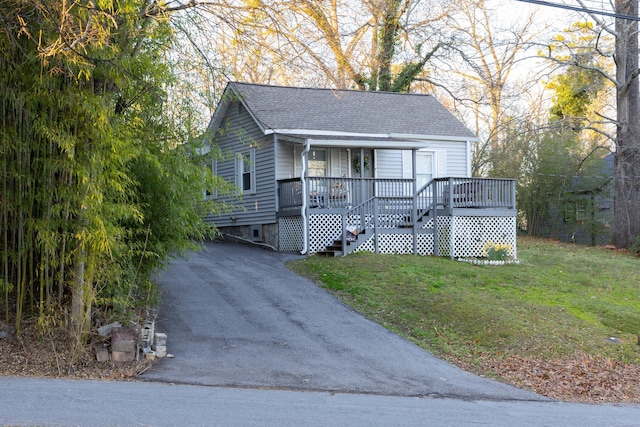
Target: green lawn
{"points": [[560, 301]]}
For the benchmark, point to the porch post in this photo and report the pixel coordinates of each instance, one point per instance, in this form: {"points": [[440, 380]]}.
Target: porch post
{"points": [[376, 220], [435, 226], [452, 238], [362, 184], [436, 195]]}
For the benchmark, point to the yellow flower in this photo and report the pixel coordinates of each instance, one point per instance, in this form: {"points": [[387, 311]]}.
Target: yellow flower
{"points": [[496, 251]]}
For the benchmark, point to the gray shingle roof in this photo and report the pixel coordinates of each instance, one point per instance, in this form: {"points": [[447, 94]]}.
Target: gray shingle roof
{"points": [[281, 107]]}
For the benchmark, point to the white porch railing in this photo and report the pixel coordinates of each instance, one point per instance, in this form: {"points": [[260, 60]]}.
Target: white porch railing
{"points": [[448, 193], [337, 192]]}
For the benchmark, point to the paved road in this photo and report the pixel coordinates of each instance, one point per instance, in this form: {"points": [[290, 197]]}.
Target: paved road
{"points": [[47, 402], [236, 316]]}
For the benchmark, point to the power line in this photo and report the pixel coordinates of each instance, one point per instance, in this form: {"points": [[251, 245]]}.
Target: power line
{"points": [[582, 9]]}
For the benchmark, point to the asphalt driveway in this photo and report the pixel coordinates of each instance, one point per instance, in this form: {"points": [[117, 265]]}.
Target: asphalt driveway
{"points": [[236, 316]]}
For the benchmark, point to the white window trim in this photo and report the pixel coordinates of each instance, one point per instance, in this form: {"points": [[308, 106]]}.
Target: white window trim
{"points": [[241, 160], [581, 212], [214, 171]]}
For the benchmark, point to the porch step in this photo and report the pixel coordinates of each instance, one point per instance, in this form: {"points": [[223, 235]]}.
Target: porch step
{"points": [[333, 250]]}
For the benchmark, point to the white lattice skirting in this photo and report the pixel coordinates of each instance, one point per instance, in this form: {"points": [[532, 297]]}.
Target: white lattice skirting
{"points": [[323, 230], [290, 233], [473, 233], [470, 235]]}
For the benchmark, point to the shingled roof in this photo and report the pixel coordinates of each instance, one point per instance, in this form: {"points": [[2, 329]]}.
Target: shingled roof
{"points": [[280, 108]]}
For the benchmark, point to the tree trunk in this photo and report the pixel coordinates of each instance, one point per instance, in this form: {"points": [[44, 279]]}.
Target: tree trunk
{"points": [[387, 39], [80, 291], [77, 295], [627, 161]]}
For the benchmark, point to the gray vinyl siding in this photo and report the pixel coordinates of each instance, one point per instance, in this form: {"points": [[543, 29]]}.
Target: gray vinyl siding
{"points": [[397, 164], [456, 157], [241, 134], [389, 164], [288, 164]]}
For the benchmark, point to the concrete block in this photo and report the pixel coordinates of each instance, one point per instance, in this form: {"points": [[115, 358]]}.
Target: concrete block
{"points": [[161, 339], [160, 350], [146, 334], [102, 354], [122, 356], [106, 329], [122, 340], [128, 346]]}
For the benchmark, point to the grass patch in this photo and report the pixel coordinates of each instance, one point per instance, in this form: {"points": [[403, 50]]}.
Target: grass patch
{"points": [[561, 300]]}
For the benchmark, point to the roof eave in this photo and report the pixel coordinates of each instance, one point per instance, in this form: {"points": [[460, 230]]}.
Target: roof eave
{"points": [[379, 144], [311, 133], [461, 138], [390, 140], [223, 106]]}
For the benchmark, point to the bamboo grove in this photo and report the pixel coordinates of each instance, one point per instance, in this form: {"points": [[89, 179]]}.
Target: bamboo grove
{"points": [[97, 189]]}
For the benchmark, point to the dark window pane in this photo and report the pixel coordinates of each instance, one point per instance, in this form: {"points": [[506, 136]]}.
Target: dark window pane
{"points": [[246, 181]]}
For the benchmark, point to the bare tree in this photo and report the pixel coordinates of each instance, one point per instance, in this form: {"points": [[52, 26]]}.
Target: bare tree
{"points": [[484, 86], [367, 44]]}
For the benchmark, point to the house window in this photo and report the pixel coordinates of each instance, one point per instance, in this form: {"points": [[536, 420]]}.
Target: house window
{"points": [[575, 212], [424, 168], [211, 193], [246, 172], [317, 163], [581, 213]]}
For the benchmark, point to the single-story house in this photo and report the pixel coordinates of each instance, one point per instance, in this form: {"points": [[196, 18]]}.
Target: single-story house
{"points": [[333, 171]]}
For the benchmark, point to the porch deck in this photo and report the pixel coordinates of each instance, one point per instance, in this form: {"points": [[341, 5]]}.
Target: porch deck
{"points": [[447, 216]]}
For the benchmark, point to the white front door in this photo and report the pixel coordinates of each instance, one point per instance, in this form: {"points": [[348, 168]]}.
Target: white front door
{"points": [[424, 167]]}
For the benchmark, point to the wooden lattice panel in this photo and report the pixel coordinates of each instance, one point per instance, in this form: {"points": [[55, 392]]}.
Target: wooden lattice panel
{"points": [[402, 243], [444, 236], [473, 233], [425, 241], [290, 233], [368, 246], [396, 244], [323, 230]]}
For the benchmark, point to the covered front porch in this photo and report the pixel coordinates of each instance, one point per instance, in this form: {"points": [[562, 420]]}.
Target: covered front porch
{"points": [[447, 216]]}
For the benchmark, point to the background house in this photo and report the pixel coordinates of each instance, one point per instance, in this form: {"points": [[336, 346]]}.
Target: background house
{"points": [[303, 159], [583, 211]]}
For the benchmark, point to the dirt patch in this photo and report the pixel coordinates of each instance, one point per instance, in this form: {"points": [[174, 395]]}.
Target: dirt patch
{"points": [[50, 356]]}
